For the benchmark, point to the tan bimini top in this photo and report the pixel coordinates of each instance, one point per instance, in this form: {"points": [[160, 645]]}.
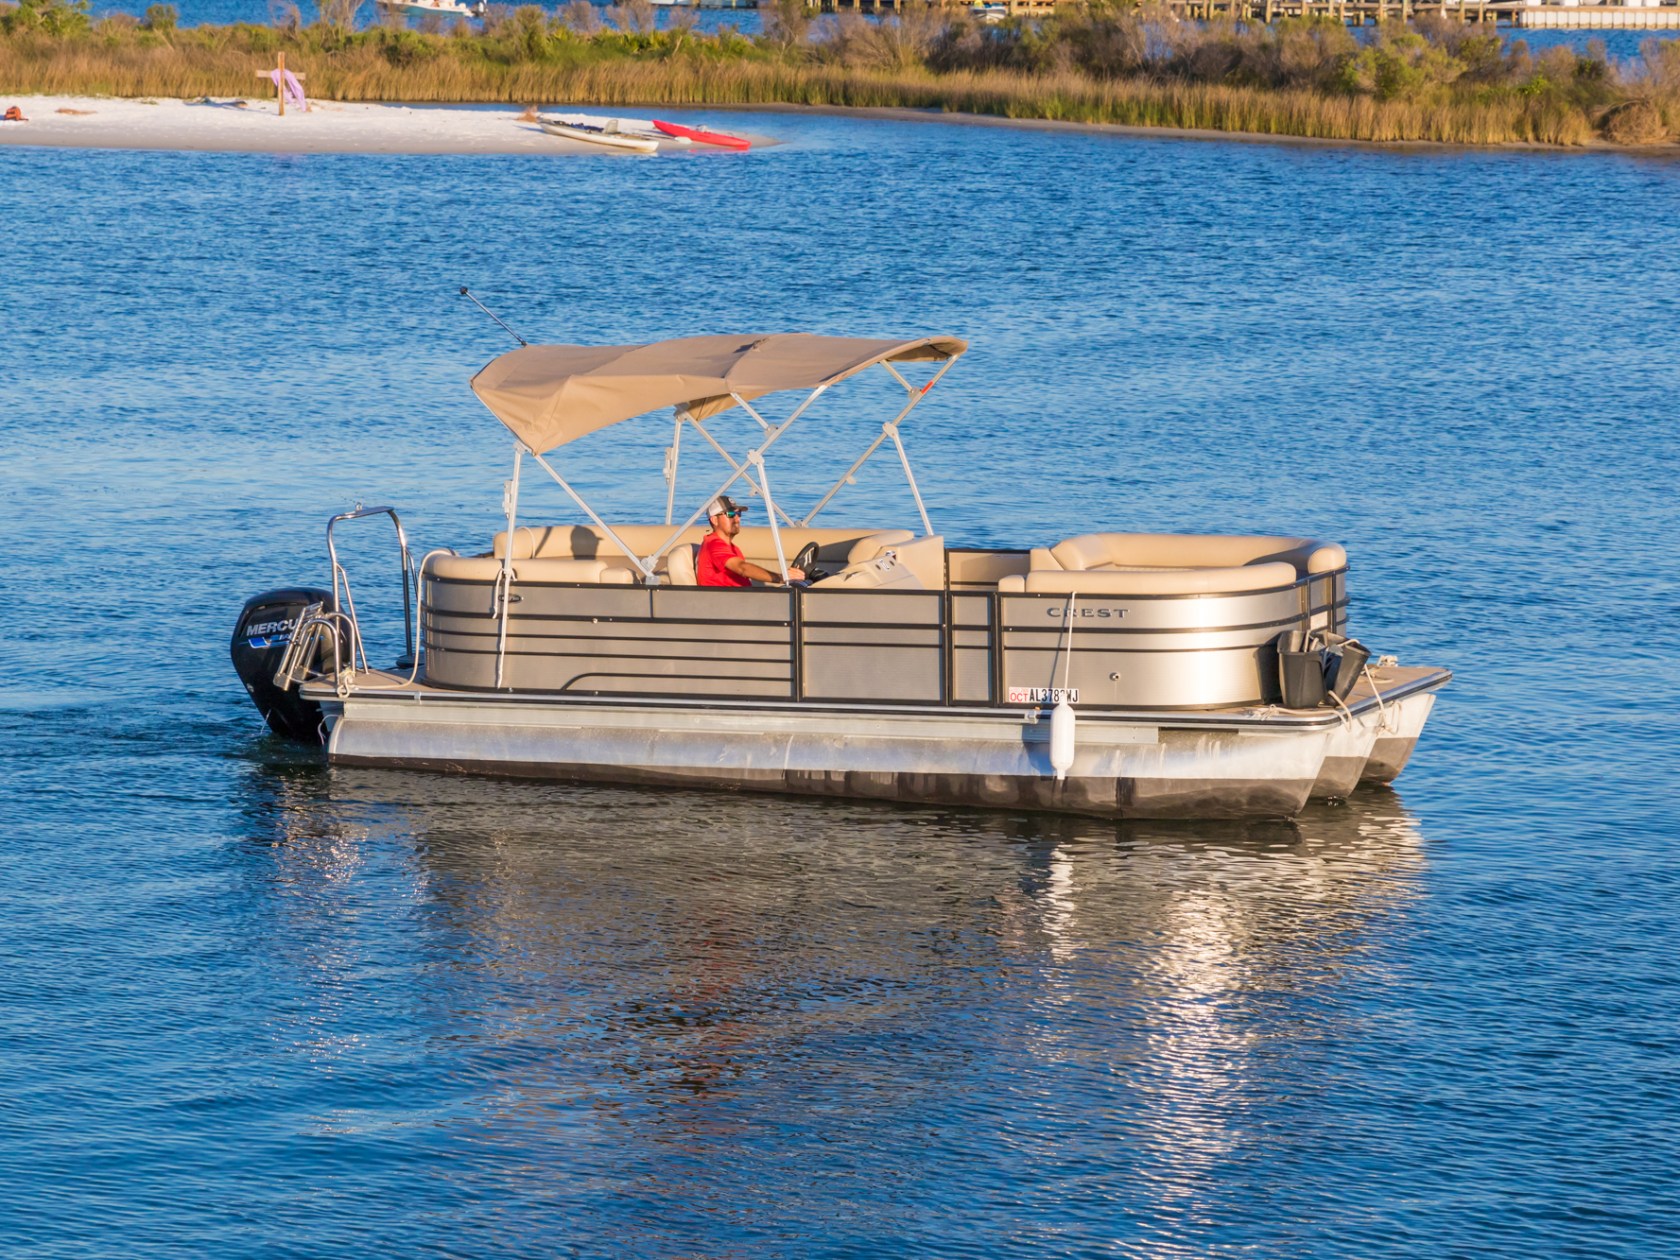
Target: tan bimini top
{"points": [[550, 395]]}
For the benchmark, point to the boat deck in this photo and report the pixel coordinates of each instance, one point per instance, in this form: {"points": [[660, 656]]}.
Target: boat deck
{"points": [[1384, 685]]}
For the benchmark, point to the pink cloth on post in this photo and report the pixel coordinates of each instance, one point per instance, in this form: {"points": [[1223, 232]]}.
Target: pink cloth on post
{"points": [[294, 89]]}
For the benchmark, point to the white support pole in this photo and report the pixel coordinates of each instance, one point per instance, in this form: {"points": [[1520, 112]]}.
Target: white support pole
{"points": [[671, 457], [504, 583], [757, 459], [644, 567], [694, 518], [730, 460], [927, 525], [846, 476], [899, 377], [735, 476], [887, 429], [777, 431]]}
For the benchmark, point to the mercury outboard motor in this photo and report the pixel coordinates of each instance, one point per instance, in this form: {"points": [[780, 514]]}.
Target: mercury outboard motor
{"points": [[260, 637]]}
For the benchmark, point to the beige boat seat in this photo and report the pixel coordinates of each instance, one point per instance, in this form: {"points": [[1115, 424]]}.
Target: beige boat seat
{"points": [[489, 568], [679, 565], [837, 547], [1138, 552], [1174, 564]]}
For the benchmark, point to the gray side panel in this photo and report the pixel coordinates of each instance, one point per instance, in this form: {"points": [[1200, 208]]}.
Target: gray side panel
{"points": [[722, 604], [873, 673], [883, 645], [1144, 679], [971, 675], [587, 639], [888, 608]]}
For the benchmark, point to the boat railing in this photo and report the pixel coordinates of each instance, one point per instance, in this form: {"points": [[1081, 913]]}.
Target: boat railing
{"points": [[344, 600], [298, 663]]}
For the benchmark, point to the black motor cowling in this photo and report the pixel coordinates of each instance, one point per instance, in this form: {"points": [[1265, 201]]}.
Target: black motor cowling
{"points": [[260, 637]]}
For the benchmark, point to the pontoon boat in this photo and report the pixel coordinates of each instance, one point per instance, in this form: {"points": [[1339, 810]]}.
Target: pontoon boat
{"points": [[1117, 674]]}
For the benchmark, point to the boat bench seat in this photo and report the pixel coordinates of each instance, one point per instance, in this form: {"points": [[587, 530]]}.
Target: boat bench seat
{"points": [[1173, 564], [488, 568], [837, 548]]}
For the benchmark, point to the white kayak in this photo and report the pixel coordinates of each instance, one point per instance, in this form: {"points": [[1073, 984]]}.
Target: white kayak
{"points": [[614, 133]]}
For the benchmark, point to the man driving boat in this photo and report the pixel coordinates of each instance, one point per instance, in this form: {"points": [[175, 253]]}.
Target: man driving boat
{"points": [[721, 562]]}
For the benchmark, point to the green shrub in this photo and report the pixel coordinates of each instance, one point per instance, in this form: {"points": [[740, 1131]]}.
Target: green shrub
{"points": [[59, 19]]}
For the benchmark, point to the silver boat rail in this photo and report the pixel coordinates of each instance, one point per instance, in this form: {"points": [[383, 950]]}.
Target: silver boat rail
{"points": [[345, 603], [315, 623], [297, 664]]}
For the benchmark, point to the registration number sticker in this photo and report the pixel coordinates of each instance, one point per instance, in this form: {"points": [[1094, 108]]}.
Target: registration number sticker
{"points": [[1043, 695]]}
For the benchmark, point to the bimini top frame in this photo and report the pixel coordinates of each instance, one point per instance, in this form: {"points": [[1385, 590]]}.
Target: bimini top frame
{"points": [[548, 396]]}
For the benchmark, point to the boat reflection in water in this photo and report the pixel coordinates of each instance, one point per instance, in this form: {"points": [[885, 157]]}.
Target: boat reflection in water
{"points": [[706, 988]]}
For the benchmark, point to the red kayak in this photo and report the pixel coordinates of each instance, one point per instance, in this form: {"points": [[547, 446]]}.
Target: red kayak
{"points": [[702, 136]]}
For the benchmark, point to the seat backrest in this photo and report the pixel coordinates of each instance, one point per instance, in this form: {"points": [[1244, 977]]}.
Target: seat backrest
{"points": [[1194, 551], [552, 569], [836, 547], [586, 542], [679, 565]]}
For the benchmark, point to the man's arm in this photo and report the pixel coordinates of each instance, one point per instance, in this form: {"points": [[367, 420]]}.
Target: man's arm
{"points": [[741, 567]]}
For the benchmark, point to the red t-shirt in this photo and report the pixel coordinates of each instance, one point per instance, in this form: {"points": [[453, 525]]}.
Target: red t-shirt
{"points": [[715, 554]]}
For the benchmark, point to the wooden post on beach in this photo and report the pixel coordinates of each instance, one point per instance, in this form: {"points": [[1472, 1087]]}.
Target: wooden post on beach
{"points": [[280, 84]]}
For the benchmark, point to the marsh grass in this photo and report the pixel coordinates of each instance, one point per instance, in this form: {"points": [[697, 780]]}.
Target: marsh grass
{"points": [[1127, 66]]}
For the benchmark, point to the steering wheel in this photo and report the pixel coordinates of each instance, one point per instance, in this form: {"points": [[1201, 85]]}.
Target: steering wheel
{"points": [[807, 561]]}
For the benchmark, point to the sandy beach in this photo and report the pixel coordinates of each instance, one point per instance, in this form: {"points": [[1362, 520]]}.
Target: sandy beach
{"points": [[256, 127], [354, 127]]}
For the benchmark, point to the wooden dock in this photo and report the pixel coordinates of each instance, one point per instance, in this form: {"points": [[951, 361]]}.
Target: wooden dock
{"points": [[1515, 13]]}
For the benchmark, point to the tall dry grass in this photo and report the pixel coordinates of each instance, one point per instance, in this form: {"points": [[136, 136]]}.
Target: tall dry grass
{"points": [[1292, 82]]}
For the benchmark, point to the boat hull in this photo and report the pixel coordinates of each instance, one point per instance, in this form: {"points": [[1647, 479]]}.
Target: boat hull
{"points": [[1129, 767], [720, 139], [602, 138]]}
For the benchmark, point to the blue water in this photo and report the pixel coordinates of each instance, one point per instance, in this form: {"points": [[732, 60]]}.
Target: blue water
{"points": [[260, 13], [253, 1007]]}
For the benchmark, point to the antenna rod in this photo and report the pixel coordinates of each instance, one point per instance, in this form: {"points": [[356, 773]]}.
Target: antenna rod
{"points": [[471, 297]]}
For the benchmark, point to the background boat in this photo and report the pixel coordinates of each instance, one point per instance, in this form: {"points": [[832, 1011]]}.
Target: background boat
{"points": [[449, 8], [640, 128], [602, 136]]}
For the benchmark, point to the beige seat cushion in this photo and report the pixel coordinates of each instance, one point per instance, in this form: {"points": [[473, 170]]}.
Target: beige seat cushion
{"points": [[1166, 552], [679, 565], [560, 570], [488, 568], [1248, 577], [837, 547], [465, 568], [587, 542]]}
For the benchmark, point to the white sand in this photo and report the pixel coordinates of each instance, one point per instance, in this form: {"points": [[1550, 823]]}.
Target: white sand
{"points": [[328, 127]]}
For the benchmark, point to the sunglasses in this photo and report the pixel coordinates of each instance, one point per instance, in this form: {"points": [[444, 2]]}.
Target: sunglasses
{"points": [[736, 514]]}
